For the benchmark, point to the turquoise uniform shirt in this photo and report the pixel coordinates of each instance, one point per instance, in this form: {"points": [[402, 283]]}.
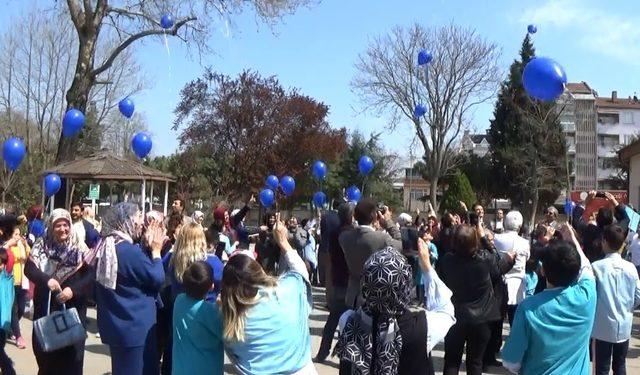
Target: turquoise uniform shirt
{"points": [[551, 330], [197, 337]]}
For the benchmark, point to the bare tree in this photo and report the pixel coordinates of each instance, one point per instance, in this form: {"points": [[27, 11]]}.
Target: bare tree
{"points": [[36, 69], [133, 20], [35, 74], [463, 74], [120, 132]]}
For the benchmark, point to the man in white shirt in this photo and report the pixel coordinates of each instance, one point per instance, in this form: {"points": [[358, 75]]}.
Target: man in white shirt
{"points": [[618, 293], [85, 231], [497, 226]]}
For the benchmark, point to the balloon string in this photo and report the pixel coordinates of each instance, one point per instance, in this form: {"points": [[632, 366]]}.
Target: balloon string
{"points": [[166, 46]]}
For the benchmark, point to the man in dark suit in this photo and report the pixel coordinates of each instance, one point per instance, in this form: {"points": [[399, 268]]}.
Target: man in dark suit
{"points": [[360, 243], [329, 228]]}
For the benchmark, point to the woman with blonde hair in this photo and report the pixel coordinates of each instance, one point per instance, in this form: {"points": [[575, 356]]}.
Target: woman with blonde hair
{"points": [[190, 247], [266, 319]]}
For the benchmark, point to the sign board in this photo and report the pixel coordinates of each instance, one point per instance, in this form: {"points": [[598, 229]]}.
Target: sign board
{"points": [[94, 192], [621, 196], [578, 196]]}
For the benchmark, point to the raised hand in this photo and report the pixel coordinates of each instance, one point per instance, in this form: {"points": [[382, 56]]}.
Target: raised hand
{"points": [[281, 234], [425, 256], [155, 236]]}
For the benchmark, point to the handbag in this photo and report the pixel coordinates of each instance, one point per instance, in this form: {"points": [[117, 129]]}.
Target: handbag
{"points": [[59, 329]]}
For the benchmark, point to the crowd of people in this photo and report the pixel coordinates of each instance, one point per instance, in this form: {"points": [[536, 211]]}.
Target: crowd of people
{"points": [[174, 295]]}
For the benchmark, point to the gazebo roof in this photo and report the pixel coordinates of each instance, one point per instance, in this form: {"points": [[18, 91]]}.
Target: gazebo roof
{"points": [[105, 165]]}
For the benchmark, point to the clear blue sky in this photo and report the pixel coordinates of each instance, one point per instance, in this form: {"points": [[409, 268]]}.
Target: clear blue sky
{"points": [[315, 49]]}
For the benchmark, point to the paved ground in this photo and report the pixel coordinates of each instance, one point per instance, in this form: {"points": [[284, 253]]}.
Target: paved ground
{"points": [[97, 355]]}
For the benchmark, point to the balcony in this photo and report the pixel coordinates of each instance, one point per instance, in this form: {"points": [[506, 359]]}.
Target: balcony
{"points": [[568, 126], [607, 152], [571, 148], [605, 174]]}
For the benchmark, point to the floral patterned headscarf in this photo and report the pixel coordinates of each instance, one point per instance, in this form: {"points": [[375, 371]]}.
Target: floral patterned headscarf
{"points": [[59, 260], [386, 288]]}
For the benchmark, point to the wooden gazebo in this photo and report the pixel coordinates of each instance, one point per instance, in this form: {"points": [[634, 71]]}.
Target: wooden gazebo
{"points": [[106, 166]]}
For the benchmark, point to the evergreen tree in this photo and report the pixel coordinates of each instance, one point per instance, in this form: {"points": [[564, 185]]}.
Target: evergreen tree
{"points": [[378, 184], [459, 190], [526, 142]]}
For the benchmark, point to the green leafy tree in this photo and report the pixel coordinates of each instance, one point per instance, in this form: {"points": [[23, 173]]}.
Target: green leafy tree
{"points": [[479, 171], [378, 184], [526, 143], [459, 190]]}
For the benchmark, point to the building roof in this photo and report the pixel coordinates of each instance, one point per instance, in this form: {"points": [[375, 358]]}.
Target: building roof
{"points": [[619, 103], [105, 165], [579, 88], [477, 138], [629, 151]]}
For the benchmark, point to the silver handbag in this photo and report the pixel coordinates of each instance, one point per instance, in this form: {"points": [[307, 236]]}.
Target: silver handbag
{"points": [[59, 329]]}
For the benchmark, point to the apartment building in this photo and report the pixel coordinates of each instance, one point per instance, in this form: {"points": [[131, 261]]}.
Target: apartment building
{"points": [[596, 128]]}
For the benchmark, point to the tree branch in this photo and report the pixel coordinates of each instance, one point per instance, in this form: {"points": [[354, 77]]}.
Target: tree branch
{"points": [[132, 14], [107, 64], [74, 11]]}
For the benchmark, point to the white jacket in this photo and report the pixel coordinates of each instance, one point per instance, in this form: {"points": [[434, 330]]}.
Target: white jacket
{"points": [[510, 241]]}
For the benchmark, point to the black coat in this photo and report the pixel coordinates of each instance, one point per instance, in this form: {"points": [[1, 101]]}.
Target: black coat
{"points": [[472, 280]]}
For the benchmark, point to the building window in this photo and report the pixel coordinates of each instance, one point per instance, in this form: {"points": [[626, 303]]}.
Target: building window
{"points": [[627, 117], [608, 118], [628, 138], [608, 141], [416, 194], [606, 163]]}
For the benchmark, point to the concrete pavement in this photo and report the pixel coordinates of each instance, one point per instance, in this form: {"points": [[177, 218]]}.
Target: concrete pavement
{"points": [[97, 362]]}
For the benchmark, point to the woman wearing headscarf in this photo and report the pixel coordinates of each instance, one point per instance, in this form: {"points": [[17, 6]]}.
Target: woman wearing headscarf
{"points": [[198, 218], [129, 278], [58, 265], [386, 335]]}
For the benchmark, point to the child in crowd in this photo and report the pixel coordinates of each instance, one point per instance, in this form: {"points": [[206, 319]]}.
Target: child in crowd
{"points": [[197, 325]]}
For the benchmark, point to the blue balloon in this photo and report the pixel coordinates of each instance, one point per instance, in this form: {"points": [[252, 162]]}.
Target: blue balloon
{"points": [[365, 165], [141, 144], [569, 205], [319, 199], [353, 194], [288, 185], [166, 21], [51, 184], [13, 151], [420, 110], [544, 79], [319, 170], [424, 57], [267, 197], [126, 107], [532, 29], [273, 182], [72, 122]]}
